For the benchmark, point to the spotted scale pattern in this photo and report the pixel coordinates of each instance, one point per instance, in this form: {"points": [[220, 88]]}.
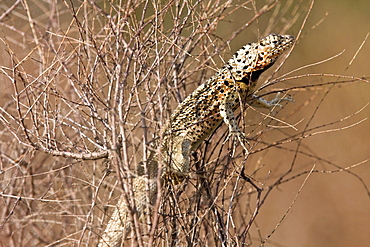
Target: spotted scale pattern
{"points": [[194, 120], [216, 99]]}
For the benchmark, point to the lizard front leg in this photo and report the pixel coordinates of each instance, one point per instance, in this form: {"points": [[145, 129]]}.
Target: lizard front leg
{"points": [[261, 102], [227, 113]]}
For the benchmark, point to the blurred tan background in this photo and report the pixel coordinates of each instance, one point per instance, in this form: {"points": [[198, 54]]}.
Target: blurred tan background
{"points": [[332, 209]]}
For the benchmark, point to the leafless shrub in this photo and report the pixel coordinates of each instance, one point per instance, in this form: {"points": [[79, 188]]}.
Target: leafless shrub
{"points": [[88, 85]]}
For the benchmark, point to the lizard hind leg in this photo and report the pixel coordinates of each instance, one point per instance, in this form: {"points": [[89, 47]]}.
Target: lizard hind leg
{"points": [[179, 164]]}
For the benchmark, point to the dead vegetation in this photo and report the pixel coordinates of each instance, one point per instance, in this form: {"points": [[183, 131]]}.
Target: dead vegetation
{"points": [[86, 86]]}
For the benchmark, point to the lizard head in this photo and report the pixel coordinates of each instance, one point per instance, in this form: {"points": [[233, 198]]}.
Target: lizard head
{"points": [[259, 56]]}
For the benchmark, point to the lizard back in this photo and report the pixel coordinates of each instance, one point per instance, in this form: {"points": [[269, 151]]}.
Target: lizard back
{"points": [[194, 120], [199, 114]]}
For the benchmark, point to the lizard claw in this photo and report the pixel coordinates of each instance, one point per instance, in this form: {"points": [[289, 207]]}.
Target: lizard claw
{"points": [[242, 139], [278, 99], [260, 102]]}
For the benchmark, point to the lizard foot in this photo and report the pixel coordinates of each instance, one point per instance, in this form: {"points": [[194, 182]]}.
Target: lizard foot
{"points": [[260, 102], [242, 139]]}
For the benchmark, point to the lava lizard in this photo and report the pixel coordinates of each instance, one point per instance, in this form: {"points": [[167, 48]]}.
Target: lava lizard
{"points": [[195, 119]]}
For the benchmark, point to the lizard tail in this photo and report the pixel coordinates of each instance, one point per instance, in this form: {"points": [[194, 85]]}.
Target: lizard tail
{"points": [[120, 223]]}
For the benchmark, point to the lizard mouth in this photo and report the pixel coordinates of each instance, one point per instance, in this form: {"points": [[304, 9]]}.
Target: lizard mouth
{"points": [[270, 48]]}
